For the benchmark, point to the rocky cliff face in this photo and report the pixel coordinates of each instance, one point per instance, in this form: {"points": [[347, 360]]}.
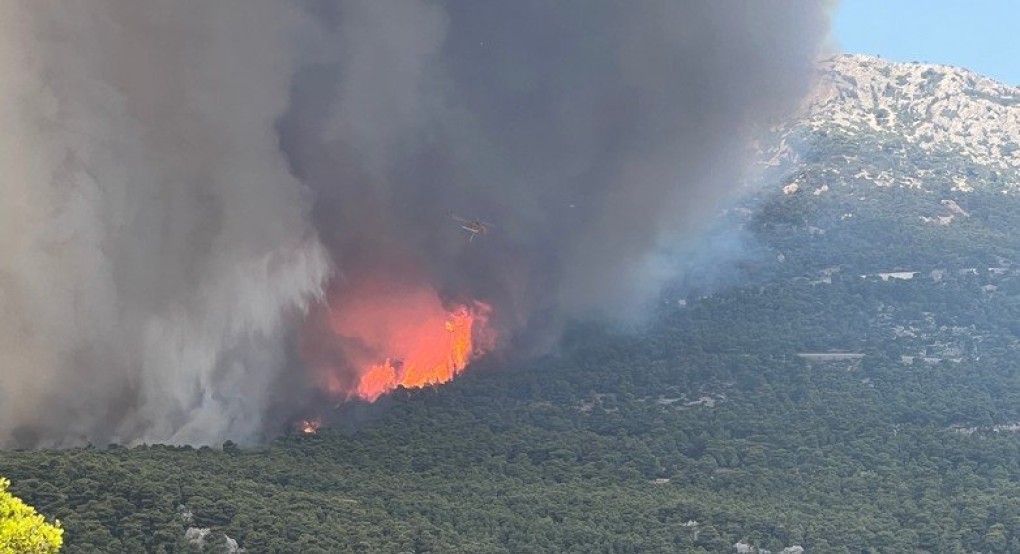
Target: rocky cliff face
{"points": [[908, 125], [935, 107]]}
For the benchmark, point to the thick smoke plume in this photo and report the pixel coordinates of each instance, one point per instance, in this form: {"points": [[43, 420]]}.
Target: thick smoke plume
{"points": [[153, 241], [183, 179]]}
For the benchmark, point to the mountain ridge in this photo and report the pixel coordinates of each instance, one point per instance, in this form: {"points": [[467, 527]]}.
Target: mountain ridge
{"points": [[933, 110], [933, 106]]}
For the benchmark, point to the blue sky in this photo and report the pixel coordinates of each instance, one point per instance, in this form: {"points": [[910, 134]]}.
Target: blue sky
{"points": [[977, 34]]}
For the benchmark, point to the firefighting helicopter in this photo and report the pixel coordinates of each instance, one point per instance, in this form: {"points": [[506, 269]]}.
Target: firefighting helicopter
{"points": [[474, 226]]}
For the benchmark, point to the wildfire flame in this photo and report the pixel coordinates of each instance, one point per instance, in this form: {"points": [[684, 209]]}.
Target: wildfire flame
{"points": [[374, 337], [309, 426]]}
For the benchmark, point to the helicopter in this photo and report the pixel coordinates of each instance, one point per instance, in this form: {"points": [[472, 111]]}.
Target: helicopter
{"points": [[474, 226]]}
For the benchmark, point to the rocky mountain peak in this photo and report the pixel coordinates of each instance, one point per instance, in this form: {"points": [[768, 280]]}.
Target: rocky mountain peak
{"points": [[935, 107]]}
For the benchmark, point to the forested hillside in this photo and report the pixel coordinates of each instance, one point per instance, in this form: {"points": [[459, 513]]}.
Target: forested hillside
{"points": [[849, 385]]}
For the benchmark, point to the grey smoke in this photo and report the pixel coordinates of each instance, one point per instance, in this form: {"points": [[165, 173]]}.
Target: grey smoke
{"points": [[154, 243], [587, 131], [182, 177]]}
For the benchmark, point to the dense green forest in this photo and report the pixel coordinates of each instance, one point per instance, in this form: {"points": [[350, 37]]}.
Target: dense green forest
{"points": [[702, 431], [564, 454]]}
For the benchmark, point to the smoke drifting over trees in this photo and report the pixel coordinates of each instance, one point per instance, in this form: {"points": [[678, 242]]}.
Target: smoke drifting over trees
{"points": [[182, 180]]}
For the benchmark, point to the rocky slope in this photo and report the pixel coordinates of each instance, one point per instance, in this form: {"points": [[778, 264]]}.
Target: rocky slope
{"points": [[932, 106], [946, 137], [904, 176], [930, 116]]}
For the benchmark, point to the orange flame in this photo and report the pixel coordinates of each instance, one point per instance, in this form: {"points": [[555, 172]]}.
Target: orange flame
{"points": [[392, 336], [309, 426]]}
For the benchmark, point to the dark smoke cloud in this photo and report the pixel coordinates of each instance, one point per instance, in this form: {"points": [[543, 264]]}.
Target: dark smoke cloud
{"points": [[181, 178], [586, 131]]}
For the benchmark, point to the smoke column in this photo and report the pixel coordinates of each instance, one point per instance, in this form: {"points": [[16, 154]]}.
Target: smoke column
{"points": [[183, 179], [154, 243]]}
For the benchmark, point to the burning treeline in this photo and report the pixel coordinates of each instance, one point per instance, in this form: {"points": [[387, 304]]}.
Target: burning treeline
{"points": [[370, 338], [215, 210]]}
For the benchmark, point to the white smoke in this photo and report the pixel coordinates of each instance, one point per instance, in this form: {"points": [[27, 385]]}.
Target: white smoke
{"points": [[152, 241]]}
